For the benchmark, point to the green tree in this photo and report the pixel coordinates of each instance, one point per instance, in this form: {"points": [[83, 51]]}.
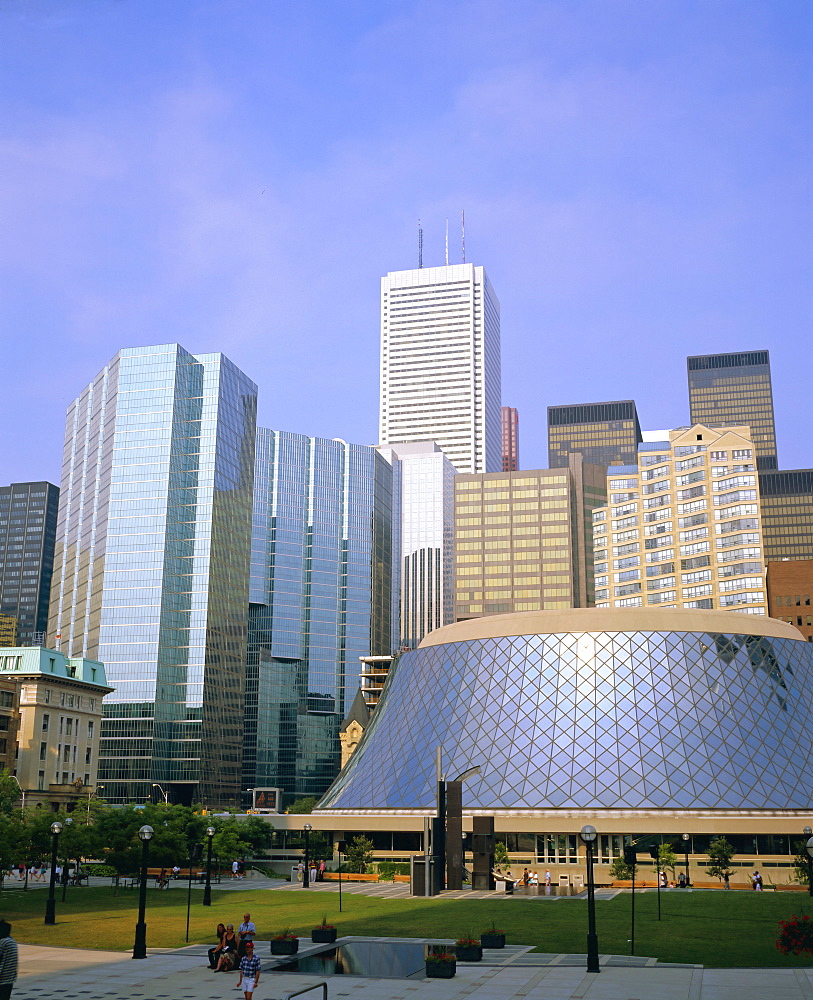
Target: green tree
{"points": [[621, 871], [359, 854], [303, 806], [801, 862], [719, 853], [667, 859], [12, 841], [320, 849], [501, 858], [9, 792]]}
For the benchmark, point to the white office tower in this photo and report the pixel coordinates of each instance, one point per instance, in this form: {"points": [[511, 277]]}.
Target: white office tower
{"points": [[440, 363], [426, 478]]}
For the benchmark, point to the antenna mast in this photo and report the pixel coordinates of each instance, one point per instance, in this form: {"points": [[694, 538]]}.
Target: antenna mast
{"points": [[420, 244], [463, 233], [447, 243]]}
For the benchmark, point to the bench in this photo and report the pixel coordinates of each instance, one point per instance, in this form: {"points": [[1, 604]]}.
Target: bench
{"points": [[351, 877]]}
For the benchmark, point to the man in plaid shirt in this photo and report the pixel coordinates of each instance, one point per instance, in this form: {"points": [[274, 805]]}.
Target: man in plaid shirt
{"points": [[249, 971]]}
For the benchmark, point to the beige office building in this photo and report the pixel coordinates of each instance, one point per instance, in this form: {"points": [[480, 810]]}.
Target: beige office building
{"points": [[523, 540], [682, 528], [60, 711]]}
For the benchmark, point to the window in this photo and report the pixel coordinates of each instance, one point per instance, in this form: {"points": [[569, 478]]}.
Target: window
{"points": [[90, 729], [46, 719], [43, 750]]}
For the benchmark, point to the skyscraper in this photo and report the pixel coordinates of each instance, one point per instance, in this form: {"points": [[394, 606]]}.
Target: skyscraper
{"points": [[735, 389], [152, 563], [786, 501], [321, 577], [510, 439], [524, 540], [28, 513], [682, 528], [426, 478], [440, 363], [603, 433]]}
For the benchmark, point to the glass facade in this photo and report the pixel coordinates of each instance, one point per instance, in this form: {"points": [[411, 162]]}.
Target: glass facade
{"points": [[735, 389], [674, 718], [510, 439], [604, 433], [28, 517], [321, 577], [151, 567], [786, 501]]}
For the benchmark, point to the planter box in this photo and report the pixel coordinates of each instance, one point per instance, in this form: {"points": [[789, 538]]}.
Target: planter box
{"points": [[469, 952], [492, 940], [323, 935], [440, 970], [284, 946]]}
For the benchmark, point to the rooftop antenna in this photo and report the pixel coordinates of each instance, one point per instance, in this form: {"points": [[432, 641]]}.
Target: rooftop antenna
{"points": [[447, 243], [420, 244], [463, 233]]}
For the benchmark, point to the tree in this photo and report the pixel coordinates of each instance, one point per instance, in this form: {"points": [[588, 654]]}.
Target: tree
{"points": [[359, 854], [621, 871], [501, 857], [719, 853], [801, 862], [303, 806], [667, 859], [9, 792]]}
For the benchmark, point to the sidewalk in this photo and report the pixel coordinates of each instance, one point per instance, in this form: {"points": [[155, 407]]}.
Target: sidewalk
{"points": [[183, 974]]}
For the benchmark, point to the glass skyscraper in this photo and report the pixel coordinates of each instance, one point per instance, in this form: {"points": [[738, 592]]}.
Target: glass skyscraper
{"points": [[731, 389], [440, 363], [321, 578], [603, 433], [28, 513], [151, 566], [786, 501]]}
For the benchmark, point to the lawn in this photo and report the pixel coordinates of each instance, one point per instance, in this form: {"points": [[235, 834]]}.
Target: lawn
{"points": [[708, 928]]}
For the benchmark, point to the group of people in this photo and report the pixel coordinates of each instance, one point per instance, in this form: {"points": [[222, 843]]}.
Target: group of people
{"points": [[238, 868], [235, 950], [36, 871], [316, 872]]}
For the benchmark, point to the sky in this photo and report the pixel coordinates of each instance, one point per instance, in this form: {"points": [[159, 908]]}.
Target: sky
{"points": [[236, 176]]}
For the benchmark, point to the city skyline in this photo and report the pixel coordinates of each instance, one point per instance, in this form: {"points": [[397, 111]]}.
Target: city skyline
{"points": [[636, 182]]}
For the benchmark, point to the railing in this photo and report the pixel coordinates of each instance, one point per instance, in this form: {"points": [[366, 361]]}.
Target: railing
{"points": [[307, 989]]}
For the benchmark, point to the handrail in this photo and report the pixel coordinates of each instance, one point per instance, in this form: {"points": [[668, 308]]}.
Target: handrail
{"points": [[307, 989]]}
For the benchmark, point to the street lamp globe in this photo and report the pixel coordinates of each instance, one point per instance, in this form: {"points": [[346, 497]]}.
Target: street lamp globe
{"points": [[210, 831], [588, 834], [56, 828], [809, 848], [807, 831], [684, 836], [146, 832], [307, 827]]}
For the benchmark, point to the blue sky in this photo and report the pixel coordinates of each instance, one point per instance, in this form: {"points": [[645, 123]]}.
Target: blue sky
{"points": [[237, 174]]}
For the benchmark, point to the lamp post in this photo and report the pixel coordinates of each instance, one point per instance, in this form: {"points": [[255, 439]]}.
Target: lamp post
{"points": [[685, 838], [306, 875], [50, 906], [22, 791], [65, 866], [588, 837], [140, 945], [90, 796], [809, 849], [207, 889], [161, 790]]}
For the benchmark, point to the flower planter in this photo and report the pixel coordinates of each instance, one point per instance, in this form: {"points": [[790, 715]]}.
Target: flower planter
{"points": [[323, 935], [492, 940], [440, 970], [284, 946], [469, 952]]}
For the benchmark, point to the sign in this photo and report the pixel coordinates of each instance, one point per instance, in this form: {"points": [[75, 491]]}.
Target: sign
{"points": [[266, 800]]}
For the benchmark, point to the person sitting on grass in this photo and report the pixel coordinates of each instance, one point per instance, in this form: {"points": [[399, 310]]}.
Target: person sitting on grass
{"points": [[249, 971]]}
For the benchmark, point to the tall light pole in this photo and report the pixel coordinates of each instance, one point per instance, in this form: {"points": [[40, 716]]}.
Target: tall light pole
{"points": [[588, 836], [161, 790], [207, 889], [50, 906], [90, 796], [22, 791], [140, 944], [809, 848], [685, 838], [305, 875]]}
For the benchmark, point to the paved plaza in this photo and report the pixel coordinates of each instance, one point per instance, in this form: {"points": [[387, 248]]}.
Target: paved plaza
{"points": [[183, 974]]}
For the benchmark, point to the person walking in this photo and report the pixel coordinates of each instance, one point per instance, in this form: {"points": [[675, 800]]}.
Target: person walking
{"points": [[726, 881], [235, 868], [322, 867], [8, 960], [249, 971], [246, 932]]}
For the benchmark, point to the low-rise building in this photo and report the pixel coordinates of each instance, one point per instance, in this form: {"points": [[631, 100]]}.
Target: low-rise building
{"points": [[790, 587], [9, 720], [60, 711]]}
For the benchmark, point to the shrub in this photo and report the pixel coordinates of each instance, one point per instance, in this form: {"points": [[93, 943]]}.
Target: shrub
{"points": [[102, 870], [795, 936]]}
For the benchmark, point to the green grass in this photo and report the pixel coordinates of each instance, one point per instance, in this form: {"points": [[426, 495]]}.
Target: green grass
{"points": [[708, 928]]}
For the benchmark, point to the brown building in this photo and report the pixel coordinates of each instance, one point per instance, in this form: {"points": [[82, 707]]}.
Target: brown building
{"points": [[524, 540], [603, 433], [9, 723], [790, 587], [8, 630], [510, 439]]}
